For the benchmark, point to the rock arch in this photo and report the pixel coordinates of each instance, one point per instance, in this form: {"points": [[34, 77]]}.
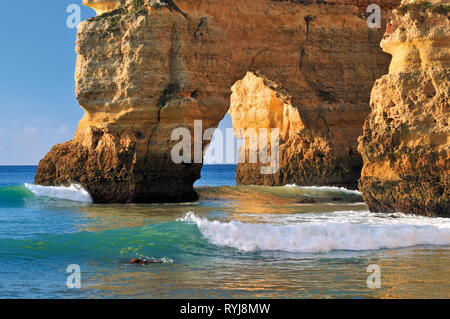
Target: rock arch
{"points": [[147, 67]]}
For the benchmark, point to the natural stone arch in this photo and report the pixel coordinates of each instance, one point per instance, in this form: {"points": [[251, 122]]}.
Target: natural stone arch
{"points": [[317, 154], [406, 140], [148, 67]]}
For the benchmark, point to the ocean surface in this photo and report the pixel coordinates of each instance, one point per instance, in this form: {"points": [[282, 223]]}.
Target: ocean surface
{"points": [[235, 242]]}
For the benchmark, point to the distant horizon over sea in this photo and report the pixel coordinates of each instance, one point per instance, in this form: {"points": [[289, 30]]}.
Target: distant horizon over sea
{"points": [[234, 242], [223, 174]]}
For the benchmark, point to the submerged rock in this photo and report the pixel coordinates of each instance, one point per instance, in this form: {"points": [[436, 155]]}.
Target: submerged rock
{"points": [[142, 261], [405, 145], [307, 201]]}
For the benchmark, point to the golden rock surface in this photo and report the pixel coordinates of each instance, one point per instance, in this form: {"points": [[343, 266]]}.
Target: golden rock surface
{"points": [[406, 145]]}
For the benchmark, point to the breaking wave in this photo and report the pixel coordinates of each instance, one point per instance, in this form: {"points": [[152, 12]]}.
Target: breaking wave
{"points": [[326, 188], [74, 192], [324, 236]]}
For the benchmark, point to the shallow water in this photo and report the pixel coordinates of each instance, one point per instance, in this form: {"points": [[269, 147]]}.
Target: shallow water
{"points": [[235, 242]]}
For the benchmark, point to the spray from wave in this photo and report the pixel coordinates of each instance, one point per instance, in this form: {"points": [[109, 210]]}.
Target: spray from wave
{"points": [[74, 192], [325, 236], [326, 188]]}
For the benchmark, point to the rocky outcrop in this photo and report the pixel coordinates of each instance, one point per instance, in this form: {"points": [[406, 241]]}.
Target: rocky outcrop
{"points": [[322, 105], [104, 6], [405, 145], [323, 153], [147, 67]]}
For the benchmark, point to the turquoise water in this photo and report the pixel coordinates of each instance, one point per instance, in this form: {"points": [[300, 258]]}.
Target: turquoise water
{"points": [[235, 242]]}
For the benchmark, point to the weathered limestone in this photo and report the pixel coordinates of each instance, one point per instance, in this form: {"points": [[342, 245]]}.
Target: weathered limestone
{"points": [[102, 6], [145, 68], [309, 155], [405, 145]]}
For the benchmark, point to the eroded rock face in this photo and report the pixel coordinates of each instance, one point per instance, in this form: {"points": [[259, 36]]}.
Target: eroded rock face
{"points": [[308, 155], [141, 72], [103, 6], [405, 145], [148, 67]]}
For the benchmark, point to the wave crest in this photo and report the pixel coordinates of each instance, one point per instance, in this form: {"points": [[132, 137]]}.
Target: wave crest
{"points": [[317, 237], [74, 192]]}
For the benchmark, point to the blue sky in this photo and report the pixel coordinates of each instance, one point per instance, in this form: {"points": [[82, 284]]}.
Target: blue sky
{"points": [[37, 100], [37, 60]]}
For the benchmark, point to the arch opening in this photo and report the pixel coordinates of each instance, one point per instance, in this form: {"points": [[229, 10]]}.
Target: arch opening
{"points": [[309, 152]]}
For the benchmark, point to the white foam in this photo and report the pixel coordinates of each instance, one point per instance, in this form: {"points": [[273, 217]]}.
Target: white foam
{"points": [[73, 193], [352, 217], [326, 188], [321, 236]]}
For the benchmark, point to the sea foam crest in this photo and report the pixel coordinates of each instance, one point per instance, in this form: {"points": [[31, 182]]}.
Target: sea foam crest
{"points": [[317, 237], [73, 193], [325, 188]]}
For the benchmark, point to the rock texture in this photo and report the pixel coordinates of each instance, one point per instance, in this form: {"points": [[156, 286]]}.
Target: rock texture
{"points": [[405, 145], [320, 105], [103, 6], [323, 153], [146, 67]]}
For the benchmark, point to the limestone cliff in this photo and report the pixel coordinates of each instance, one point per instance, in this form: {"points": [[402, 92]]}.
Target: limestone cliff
{"points": [[146, 67], [405, 145], [319, 106]]}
